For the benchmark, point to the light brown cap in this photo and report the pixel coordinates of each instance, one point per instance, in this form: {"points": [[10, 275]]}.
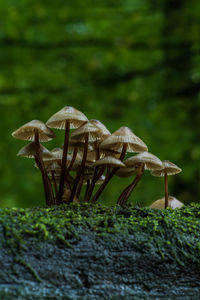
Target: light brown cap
{"points": [[151, 161], [75, 117], [173, 203], [168, 167], [30, 151], [53, 166], [79, 145], [87, 127], [90, 176], [121, 136], [88, 166], [104, 132], [27, 132], [109, 161], [125, 172]]}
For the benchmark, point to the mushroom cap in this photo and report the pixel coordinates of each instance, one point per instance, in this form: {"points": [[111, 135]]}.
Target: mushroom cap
{"points": [[75, 117], [29, 151], [89, 168], [104, 132], [173, 203], [87, 127], [109, 161], [27, 132], [125, 172], [53, 166], [79, 145], [89, 176], [151, 161], [121, 136], [168, 167]]}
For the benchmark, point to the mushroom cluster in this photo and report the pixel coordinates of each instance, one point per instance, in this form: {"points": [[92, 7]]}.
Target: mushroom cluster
{"points": [[90, 156]]}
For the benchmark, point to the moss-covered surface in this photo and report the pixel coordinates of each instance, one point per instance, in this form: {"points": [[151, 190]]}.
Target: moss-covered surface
{"points": [[69, 251]]}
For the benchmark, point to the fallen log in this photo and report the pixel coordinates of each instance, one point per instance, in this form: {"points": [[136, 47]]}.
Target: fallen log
{"points": [[96, 252]]}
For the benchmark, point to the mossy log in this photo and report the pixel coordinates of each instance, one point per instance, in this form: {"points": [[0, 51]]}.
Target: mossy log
{"points": [[95, 252]]}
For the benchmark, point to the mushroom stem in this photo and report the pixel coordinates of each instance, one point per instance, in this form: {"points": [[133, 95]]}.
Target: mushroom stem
{"points": [[166, 190], [78, 176], [73, 159], [64, 160], [122, 195], [46, 182], [92, 184], [79, 187], [109, 175], [54, 184], [133, 185], [87, 188], [95, 177]]}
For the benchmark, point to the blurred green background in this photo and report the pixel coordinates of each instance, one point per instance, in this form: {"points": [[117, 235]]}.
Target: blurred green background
{"points": [[132, 63]]}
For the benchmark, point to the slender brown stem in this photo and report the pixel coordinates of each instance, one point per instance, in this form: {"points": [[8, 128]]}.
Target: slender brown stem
{"points": [[46, 182], [78, 176], [80, 184], [110, 175], [64, 160], [54, 184], [133, 184], [73, 159], [95, 176], [166, 190], [122, 195]]}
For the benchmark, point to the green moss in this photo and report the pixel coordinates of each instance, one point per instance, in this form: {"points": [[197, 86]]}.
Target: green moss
{"points": [[169, 233]]}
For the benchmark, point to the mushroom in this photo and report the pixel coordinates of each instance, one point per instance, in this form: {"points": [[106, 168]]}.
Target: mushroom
{"points": [[29, 151], [38, 132], [87, 133], [66, 118], [141, 161], [122, 139], [103, 133], [168, 169], [109, 162], [172, 203]]}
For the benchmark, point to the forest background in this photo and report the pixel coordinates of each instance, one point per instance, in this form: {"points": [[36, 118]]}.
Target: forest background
{"points": [[132, 63]]}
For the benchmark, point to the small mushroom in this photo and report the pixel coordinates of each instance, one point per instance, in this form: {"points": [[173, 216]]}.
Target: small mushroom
{"points": [[66, 118], [124, 139], [87, 132], [139, 162], [111, 163], [29, 151], [172, 203], [168, 169], [38, 132]]}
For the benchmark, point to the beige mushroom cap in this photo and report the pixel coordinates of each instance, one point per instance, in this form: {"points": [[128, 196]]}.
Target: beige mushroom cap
{"points": [[88, 166], [109, 161], [173, 203], [125, 172], [27, 132], [53, 166], [79, 133], [168, 167], [151, 161], [121, 136], [75, 117], [89, 176], [79, 145], [104, 132], [29, 151]]}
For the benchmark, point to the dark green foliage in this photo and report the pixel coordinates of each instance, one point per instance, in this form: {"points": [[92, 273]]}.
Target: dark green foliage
{"points": [[133, 63]]}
